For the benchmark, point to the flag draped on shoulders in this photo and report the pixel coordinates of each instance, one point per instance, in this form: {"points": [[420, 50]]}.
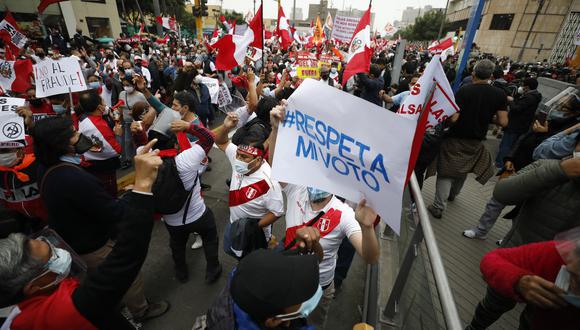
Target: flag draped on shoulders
{"points": [[360, 51], [232, 48]]}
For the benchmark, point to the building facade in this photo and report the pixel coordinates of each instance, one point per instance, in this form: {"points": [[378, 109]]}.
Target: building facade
{"points": [[96, 18], [506, 27]]}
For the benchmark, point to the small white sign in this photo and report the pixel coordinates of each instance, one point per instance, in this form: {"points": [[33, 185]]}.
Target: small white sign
{"points": [[213, 86], [8, 105], [58, 77], [11, 127]]}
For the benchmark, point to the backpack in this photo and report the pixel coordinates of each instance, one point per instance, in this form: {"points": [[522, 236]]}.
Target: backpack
{"points": [[168, 190]]}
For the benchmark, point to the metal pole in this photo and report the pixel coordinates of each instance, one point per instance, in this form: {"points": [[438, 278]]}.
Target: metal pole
{"points": [[521, 53], [469, 35], [157, 12], [294, 11], [444, 290], [396, 73], [443, 21]]}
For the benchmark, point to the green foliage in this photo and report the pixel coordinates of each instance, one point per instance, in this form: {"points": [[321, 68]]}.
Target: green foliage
{"points": [[168, 8], [231, 15], [426, 27]]}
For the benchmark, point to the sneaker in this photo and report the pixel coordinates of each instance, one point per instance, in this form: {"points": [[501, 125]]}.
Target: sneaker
{"points": [[198, 242], [470, 233], [214, 275], [154, 310], [435, 212], [498, 242]]}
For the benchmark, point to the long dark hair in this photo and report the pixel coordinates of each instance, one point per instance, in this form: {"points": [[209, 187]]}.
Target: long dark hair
{"points": [[52, 139]]}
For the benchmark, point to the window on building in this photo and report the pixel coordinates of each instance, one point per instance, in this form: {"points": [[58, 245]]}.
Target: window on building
{"points": [[501, 22], [99, 27]]}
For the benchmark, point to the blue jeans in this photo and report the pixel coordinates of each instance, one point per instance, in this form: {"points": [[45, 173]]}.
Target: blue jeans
{"points": [[505, 146]]}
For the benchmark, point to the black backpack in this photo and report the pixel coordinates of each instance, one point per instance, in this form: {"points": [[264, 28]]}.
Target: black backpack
{"points": [[168, 190]]}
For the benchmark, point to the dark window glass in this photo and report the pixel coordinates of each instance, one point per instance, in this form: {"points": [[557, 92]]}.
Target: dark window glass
{"points": [[501, 21]]}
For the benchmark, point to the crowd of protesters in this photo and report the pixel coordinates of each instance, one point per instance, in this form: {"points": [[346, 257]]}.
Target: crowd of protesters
{"points": [[147, 108]]}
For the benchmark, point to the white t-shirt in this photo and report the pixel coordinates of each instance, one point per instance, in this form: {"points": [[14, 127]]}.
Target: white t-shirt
{"points": [[254, 195], [188, 164], [337, 223], [244, 116]]}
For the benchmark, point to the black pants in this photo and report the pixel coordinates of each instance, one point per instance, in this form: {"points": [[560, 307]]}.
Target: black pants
{"points": [[345, 255], [206, 228], [490, 309]]}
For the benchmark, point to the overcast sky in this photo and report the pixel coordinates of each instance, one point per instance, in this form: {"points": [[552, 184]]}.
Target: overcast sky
{"points": [[385, 10]]}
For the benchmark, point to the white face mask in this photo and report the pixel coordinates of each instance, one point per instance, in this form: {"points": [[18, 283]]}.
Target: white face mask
{"points": [[241, 166], [520, 90], [9, 159], [59, 263], [333, 70], [129, 89]]}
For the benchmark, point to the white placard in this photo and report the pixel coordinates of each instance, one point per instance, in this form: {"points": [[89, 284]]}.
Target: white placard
{"points": [[344, 27], [58, 77], [213, 86], [224, 96], [346, 146], [8, 105], [11, 127]]}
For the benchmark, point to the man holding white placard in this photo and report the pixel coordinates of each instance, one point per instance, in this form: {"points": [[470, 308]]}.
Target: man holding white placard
{"points": [[312, 207]]}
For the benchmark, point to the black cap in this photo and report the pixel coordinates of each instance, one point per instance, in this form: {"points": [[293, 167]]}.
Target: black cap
{"points": [[266, 282]]}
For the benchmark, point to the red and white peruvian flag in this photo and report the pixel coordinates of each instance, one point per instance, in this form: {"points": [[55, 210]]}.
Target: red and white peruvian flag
{"points": [[283, 29], [167, 22], [444, 48], [15, 75], [232, 48], [227, 25], [360, 51]]}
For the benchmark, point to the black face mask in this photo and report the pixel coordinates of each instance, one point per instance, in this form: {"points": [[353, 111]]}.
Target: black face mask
{"points": [[83, 145], [35, 102]]}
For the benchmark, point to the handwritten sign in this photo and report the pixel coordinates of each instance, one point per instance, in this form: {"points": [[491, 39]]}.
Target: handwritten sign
{"points": [[58, 77], [16, 37], [317, 147], [213, 86], [344, 27], [8, 105], [11, 127]]}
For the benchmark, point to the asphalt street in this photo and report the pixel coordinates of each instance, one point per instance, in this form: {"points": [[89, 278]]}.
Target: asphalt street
{"points": [[193, 298]]}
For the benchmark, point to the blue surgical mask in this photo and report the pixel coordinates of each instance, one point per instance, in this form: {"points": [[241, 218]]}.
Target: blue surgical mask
{"points": [[305, 309], [241, 166], [58, 108], [94, 85], [59, 263], [315, 194]]}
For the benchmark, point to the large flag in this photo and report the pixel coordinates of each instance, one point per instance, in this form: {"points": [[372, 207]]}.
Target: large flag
{"points": [[45, 3], [430, 109], [318, 36], [283, 29], [17, 38], [359, 52], [444, 48], [390, 30], [15, 75], [232, 48], [227, 26]]}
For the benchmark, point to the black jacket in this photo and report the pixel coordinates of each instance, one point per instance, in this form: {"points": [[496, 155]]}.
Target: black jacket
{"points": [[371, 88], [522, 111]]}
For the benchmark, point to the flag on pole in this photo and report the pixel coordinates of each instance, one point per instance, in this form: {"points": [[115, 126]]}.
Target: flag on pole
{"points": [[45, 3], [283, 29], [227, 26], [318, 36], [359, 52], [444, 48], [232, 49], [167, 22], [17, 38], [328, 25]]}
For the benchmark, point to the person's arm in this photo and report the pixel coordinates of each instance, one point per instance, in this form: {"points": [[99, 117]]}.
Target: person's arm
{"points": [[252, 94], [531, 181], [556, 146], [522, 104], [105, 287], [518, 273], [205, 137], [221, 133], [365, 242], [141, 86], [385, 97], [276, 116], [363, 79], [502, 118], [281, 84]]}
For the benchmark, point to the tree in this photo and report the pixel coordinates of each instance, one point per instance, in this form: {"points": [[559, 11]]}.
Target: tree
{"points": [[234, 15], [426, 27], [168, 8]]}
